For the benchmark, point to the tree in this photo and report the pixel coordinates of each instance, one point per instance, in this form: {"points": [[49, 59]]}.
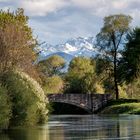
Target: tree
{"points": [[22, 100], [16, 42], [52, 65], [129, 66], [81, 76], [5, 108], [27, 99], [51, 70], [54, 84], [104, 71], [110, 40]]}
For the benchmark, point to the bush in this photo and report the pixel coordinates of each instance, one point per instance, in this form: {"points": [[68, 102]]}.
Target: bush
{"points": [[124, 108], [5, 108], [27, 97], [54, 84]]}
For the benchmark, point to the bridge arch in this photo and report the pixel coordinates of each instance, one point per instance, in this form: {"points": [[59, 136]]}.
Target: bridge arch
{"points": [[72, 104], [88, 102]]}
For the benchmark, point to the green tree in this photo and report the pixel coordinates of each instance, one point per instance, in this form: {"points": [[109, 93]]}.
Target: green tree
{"points": [[129, 67], [28, 101], [21, 96], [81, 76], [54, 84], [104, 71], [5, 108], [111, 38], [51, 74], [52, 65]]}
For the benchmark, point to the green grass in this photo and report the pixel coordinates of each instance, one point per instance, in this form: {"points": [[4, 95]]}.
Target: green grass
{"points": [[122, 106]]}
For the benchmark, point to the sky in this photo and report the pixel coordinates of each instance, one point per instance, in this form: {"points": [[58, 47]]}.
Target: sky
{"points": [[56, 21]]}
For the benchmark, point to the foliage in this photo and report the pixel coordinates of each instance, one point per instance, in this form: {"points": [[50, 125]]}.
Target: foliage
{"points": [[23, 101], [122, 106], [27, 98], [54, 84], [16, 42], [133, 89], [104, 72], [130, 62], [5, 108], [80, 66], [51, 70], [81, 76], [110, 40], [52, 65]]}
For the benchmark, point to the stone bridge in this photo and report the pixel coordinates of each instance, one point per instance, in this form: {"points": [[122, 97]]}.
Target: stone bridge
{"points": [[89, 102]]}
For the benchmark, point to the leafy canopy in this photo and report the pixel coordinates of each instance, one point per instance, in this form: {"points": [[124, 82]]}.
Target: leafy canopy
{"points": [[129, 68], [111, 39], [16, 41], [81, 76], [52, 65]]}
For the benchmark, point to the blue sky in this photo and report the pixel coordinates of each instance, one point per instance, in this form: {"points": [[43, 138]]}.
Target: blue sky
{"points": [[55, 21]]}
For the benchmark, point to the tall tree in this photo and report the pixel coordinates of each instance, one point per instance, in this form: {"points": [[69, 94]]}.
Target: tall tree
{"points": [[129, 68], [111, 38], [51, 74], [81, 76], [16, 41]]}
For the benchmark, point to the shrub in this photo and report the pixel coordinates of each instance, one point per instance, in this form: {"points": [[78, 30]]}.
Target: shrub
{"points": [[27, 97], [54, 84], [5, 108]]}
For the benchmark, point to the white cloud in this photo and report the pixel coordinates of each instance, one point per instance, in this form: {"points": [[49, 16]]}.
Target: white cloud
{"points": [[42, 7], [103, 8], [5, 0], [98, 8], [76, 23], [70, 18], [119, 4]]}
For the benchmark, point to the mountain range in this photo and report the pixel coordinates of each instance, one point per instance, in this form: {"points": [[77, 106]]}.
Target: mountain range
{"points": [[72, 48]]}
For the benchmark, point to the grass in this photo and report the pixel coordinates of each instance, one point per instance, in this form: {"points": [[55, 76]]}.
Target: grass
{"points": [[122, 106]]}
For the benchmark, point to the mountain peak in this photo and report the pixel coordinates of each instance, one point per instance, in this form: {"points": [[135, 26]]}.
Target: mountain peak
{"points": [[73, 47]]}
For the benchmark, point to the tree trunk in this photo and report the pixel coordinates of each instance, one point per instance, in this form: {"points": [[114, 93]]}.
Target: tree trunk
{"points": [[115, 67], [116, 88], [115, 76]]}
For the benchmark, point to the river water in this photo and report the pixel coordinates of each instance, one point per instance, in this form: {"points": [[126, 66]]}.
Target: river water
{"points": [[81, 127]]}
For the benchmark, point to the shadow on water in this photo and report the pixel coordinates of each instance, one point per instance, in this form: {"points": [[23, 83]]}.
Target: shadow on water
{"points": [[81, 127], [26, 134]]}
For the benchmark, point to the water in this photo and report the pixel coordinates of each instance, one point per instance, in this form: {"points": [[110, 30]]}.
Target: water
{"points": [[81, 127]]}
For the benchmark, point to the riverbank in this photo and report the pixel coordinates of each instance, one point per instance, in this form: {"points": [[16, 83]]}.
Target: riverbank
{"points": [[122, 106]]}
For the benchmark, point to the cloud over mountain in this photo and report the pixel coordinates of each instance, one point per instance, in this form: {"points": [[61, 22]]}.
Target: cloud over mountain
{"points": [[55, 21]]}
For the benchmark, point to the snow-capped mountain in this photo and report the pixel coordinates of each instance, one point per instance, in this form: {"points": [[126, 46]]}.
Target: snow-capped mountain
{"points": [[70, 49]]}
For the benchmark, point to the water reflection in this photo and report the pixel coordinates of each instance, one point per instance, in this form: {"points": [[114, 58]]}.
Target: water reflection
{"points": [[26, 134], [84, 127]]}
